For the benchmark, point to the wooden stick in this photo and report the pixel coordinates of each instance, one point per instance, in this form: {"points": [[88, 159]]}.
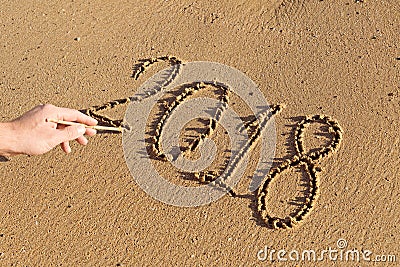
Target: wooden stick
{"points": [[96, 127]]}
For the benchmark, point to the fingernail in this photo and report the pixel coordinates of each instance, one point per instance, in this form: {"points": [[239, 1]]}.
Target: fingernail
{"points": [[81, 129]]}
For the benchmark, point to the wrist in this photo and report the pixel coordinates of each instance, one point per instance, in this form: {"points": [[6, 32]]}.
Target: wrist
{"points": [[8, 139]]}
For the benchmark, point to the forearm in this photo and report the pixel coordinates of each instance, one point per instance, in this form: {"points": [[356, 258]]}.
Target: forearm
{"points": [[8, 140]]}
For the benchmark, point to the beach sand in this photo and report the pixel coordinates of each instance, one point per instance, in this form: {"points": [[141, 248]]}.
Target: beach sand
{"points": [[338, 58]]}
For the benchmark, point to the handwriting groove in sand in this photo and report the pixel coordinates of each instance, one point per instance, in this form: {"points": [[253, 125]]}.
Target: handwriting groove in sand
{"points": [[306, 161], [301, 159], [138, 70]]}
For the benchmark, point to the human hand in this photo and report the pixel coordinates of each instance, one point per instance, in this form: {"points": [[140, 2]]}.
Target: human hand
{"points": [[32, 134]]}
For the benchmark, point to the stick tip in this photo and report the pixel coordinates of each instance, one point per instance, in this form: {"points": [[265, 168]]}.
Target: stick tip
{"points": [[125, 127]]}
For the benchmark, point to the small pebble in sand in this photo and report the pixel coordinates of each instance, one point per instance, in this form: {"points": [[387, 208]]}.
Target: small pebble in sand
{"points": [[77, 39]]}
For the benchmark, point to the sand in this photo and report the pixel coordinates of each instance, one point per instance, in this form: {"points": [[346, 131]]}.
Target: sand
{"points": [[338, 58]]}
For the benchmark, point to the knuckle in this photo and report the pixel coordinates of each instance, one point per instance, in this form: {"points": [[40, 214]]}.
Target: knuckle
{"points": [[47, 107], [71, 132]]}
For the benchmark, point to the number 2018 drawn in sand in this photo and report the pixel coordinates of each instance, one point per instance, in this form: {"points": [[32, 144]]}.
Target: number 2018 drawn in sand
{"points": [[196, 83]]}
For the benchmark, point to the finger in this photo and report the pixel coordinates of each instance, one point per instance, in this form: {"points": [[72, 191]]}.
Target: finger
{"points": [[90, 132], [75, 115], [53, 125], [82, 140], [68, 133], [65, 146]]}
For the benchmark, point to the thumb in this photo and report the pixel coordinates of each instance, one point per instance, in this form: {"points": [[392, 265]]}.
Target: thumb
{"points": [[70, 133]]}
